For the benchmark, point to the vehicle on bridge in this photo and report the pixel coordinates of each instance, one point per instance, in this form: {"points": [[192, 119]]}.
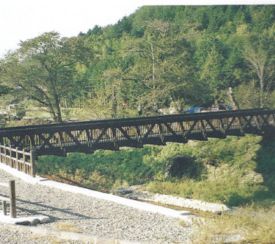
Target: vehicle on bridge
{"points": [[201, 109]]}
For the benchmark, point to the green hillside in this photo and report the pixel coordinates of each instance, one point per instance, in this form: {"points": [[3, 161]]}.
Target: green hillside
{"points": [[160, 56]]}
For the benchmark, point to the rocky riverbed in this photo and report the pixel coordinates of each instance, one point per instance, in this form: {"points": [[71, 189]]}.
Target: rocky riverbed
{"points": [[136, 192]]}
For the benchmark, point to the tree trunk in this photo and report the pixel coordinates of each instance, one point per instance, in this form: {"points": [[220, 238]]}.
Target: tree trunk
{"points": [[57, 109], [258, 59], [153, 71], [261, 91], [114, 103], [52, 112], [58, 112], [56, 103], [232, 99]]}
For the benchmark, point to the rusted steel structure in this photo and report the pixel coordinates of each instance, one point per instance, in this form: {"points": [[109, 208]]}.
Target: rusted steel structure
{"points": [[88, 136]]}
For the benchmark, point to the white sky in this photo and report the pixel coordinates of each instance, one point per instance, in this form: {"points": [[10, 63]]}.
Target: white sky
{"points": [[24, 19]]}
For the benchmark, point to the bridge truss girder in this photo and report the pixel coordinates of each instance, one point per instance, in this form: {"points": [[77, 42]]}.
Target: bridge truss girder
{"points": [[89, 136]]}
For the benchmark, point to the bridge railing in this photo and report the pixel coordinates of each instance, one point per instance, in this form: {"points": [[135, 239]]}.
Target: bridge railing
{"points": [[21, 160]]}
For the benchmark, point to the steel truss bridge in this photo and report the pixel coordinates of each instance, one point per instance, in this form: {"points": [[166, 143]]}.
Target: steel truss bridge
{"points": [[88, 136]]}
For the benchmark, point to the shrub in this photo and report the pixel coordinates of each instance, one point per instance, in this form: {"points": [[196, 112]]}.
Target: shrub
{"points": [[183, 166], [98, 182]]}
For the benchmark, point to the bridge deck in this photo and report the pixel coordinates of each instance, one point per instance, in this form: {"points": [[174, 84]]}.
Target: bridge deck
{"points": [[88, 136]]}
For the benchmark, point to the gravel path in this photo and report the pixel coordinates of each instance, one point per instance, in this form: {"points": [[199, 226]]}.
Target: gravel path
{"points": [[78, 213]]}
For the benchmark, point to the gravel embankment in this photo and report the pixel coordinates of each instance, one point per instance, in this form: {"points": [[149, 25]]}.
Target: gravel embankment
{"points": [[17, 234], [133, 192], [78, 213]]}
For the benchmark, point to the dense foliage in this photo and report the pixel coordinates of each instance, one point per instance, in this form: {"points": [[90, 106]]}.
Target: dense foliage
{"points": [[157, 57]]}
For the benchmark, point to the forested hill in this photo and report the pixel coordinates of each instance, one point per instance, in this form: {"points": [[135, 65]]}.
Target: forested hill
{"points": [[160, 56], [213, 19]]}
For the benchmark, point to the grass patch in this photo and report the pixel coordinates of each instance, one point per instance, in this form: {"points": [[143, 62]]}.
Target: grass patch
{"points": [[248, 224], [103, 170], [224, 184], [236, 171]]}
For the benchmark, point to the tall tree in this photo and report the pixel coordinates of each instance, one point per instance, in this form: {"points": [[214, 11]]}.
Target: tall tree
{"points": [[259, 54], [162, 65], [257, 60], [43, 68]]}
